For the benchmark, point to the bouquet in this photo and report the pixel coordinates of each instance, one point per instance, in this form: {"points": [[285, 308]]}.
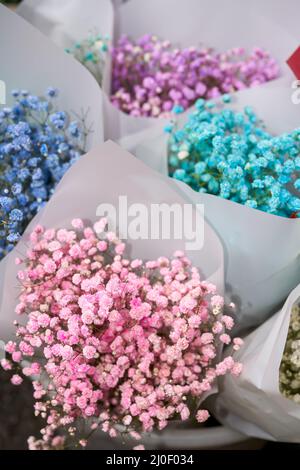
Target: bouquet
{"points": [[94, 174], [264, 400], [160, 72], [230, 154], [38, 144], [111, 340]]}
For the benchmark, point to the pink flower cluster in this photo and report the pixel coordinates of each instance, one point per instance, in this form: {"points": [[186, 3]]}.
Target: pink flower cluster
{"points": [[125, 344], [151, 77]]}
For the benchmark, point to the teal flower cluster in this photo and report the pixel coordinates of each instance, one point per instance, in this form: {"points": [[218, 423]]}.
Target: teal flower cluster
{"points": [[38, 144], [230, 154], [92, 52]]}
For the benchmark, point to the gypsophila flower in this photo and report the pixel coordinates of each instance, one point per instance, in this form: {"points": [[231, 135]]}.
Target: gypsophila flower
{"points": [[152, 78], [289, 376], [108, 340], [38, 144], [230, 154], [92, 53]]}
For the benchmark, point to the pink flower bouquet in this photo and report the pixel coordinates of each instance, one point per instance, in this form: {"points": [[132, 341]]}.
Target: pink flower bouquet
{"points": [[123, 344], [114, 342]]}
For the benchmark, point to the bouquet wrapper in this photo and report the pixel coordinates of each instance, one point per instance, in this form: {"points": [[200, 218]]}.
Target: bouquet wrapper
{"points": [[69, 21], [210, 23], [262, 262], [100, 177], [252, 403], [213, 23], [31, 61]]}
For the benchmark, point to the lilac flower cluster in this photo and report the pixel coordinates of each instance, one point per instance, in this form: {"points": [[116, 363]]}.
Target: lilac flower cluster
{"points": [[151, 77], [231, 155], [38, 144]]}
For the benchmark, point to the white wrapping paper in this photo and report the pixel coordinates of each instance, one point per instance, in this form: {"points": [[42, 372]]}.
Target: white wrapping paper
{"points": [[252, 403], [262, 251], [31, 61], [68, 21], [99, 177], [184, 22]]}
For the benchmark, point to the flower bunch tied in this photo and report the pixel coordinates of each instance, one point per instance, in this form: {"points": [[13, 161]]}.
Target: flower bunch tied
{"points": [[38, 144], [92, 54], [152, 78], [112, 343], [289, 377], [230, 154]]}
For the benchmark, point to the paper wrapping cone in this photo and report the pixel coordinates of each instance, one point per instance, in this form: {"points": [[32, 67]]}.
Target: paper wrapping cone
{"points": [[252, 404]]}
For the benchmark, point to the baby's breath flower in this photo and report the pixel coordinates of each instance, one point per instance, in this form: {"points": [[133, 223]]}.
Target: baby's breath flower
{"points": [[230, 154], [116, 347], [92, 53], [289, 376], [152, 78]]}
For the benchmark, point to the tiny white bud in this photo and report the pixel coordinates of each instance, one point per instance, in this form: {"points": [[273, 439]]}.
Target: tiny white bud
{"points": [[183, 154]]}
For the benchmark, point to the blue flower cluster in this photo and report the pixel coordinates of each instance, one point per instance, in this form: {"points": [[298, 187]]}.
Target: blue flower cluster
{"points": [[38, 144], [230, 154]]}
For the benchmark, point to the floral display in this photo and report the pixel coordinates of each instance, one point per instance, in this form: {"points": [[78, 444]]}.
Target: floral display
{"points": [[92, 53], [124, 345], [289, 377], [149, 217], [231, 154], [151, 77], [38, 144]]}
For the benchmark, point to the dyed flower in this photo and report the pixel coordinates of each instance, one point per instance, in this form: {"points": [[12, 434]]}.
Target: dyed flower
{"points": [[91, 53], [230, 154], [36, 149], [117, 346], [153, 78], [16, 380], [202, 416]]}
